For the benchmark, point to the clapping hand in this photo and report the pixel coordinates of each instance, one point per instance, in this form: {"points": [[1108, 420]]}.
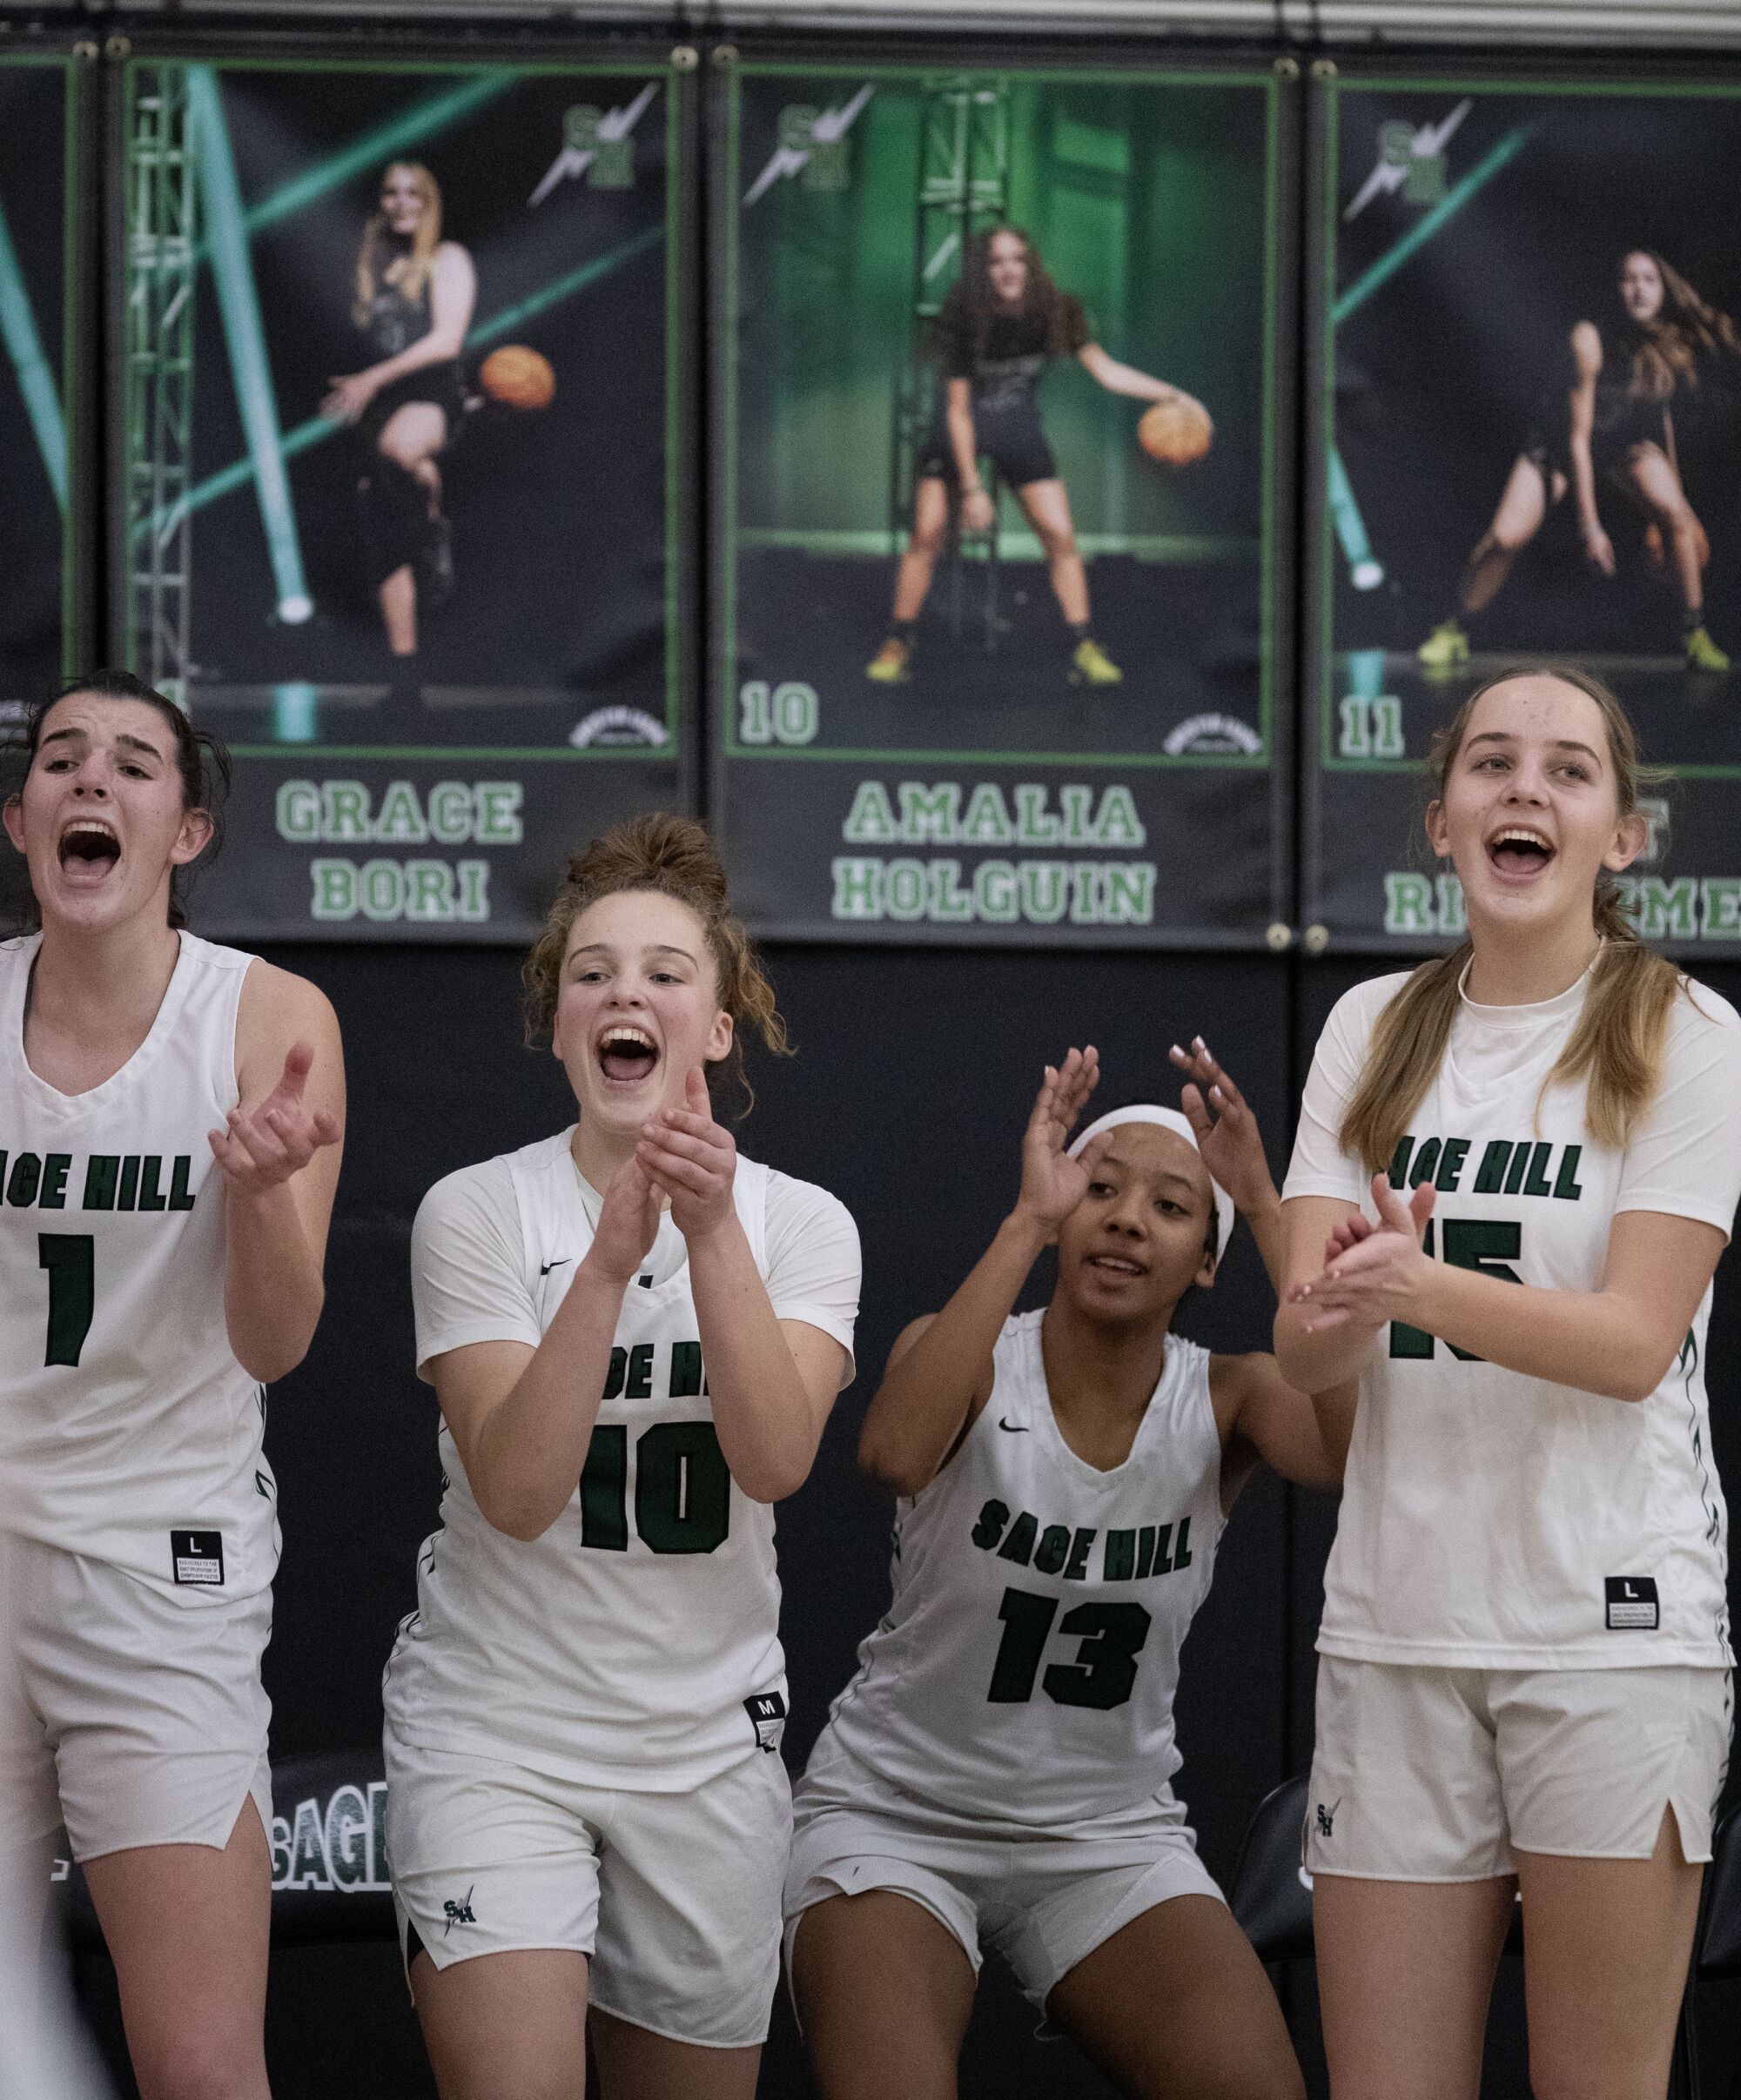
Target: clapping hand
{"points": [[1372, 1272], [1052, 1183], [1228, 1135], [691, 1159]]}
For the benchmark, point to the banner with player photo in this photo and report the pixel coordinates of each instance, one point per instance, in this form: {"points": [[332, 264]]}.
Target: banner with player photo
{"points": [[400, 453], [999, 648], [1527, 321], [48, 231]]}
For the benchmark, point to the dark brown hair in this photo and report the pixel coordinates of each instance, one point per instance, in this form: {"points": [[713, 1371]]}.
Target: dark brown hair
{"points": [[675, 857], [1666, 351], [200, 759], [972, 303], [1617, 1042]]}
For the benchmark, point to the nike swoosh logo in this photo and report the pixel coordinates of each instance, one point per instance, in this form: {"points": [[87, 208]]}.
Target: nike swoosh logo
{"points": [[1016, 1429], [560, 1260]]}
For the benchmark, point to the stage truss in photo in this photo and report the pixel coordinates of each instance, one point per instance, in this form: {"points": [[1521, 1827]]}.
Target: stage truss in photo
{"points": [[158, 371]]}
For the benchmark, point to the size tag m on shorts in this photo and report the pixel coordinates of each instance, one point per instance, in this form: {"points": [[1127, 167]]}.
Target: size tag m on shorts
{"points": [[197, 1556], [1632, 1604], [767, 1712]]}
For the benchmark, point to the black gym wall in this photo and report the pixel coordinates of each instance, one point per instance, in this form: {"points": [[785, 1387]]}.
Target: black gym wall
{"points": [[913, 1076]]}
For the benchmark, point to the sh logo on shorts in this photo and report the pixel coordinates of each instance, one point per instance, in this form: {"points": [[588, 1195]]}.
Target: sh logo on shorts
{"points": [[1631, 1604], [458, 1914], [1327, 1817]]}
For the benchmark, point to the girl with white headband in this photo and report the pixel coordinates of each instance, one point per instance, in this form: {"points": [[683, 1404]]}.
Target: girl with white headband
{"points": [[997, 1772]]}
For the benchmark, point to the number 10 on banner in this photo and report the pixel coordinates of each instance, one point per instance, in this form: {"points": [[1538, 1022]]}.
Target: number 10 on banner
{"points": [[788, 714]]}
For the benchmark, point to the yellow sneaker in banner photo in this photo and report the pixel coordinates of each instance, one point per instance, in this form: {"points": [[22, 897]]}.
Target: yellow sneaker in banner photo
{"points": [[890, 665], [1703, 653], [1445, 648], [1092, 666]]}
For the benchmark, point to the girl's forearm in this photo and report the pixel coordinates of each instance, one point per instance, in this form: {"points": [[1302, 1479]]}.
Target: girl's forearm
{"points": [[1593, 1341], [762, 1414], [912, 1424], [528, 1458], [274, 1289]]}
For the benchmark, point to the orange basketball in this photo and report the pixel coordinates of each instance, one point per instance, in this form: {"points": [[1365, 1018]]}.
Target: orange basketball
{"points": [[1176, 431], [519, 377]]}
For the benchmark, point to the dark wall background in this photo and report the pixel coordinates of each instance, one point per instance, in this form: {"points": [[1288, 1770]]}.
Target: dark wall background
{"points": [[907, 1098]]}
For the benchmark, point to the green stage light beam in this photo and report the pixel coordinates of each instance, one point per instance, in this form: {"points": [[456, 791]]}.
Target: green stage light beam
{"points": [[317, 428], [1451, 203], [1365, 572], [35, 380], [249, 369], [375, 149]]}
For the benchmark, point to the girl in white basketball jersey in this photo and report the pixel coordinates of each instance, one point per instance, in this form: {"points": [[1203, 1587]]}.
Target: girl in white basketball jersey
{"points": [[1515, 1170], [636, 1337], [998, 1770], [169, 1124]]}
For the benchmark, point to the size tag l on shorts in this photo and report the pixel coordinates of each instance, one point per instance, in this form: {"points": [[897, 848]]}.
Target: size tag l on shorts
{"points": [[1632, 1604], [197, 1557]]}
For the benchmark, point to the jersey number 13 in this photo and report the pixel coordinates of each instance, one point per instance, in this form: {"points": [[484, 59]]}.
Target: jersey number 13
{"points": [[1111, 1637]]}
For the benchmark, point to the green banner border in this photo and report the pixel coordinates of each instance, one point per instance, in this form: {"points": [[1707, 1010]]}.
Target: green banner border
{"points": [[1273, 84], [631, 67], [1324, 441]]}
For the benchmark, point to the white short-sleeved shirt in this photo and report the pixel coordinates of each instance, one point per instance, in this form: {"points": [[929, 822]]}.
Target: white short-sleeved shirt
{"points": [[1489, 1520], [635, 1644]]}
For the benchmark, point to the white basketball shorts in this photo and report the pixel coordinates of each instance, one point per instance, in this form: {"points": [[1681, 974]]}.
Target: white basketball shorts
{"points": [[1428, 1775], [1043, 1900], [133, 1718], [674, 1898]]}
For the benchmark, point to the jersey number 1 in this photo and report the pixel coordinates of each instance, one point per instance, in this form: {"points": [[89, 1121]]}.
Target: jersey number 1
{"points": [[68, 1256], [1106, 1666]]}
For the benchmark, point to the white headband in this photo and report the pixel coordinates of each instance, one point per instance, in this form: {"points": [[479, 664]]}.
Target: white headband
{"points": [[1168, 1119]]}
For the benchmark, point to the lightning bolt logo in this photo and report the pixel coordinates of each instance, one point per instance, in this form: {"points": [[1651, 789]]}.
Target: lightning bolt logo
{"points": [[829, 130], [573, 161], [1388, 175]]}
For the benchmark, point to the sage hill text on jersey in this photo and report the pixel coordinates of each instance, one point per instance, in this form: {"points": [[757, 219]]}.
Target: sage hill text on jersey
{"points": [[99, 1181], [1505, 1166]]}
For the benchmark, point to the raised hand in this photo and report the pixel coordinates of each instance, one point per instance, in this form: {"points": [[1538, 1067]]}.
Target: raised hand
{"points": [[1378, 1275], [1228, 1135], [262, 1146], [688, 1157], [1052, 1183], [628, 1223]]}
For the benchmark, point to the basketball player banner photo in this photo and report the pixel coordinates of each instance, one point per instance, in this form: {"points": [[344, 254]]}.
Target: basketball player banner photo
{"points": [[997, 650], [399, 477], [1527, 329], [47, 224]]}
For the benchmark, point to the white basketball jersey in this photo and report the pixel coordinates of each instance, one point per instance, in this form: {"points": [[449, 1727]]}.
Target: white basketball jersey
{"points": [[636, 1643], [128, 1431], [1026, 1666], [1490, 1519]]}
